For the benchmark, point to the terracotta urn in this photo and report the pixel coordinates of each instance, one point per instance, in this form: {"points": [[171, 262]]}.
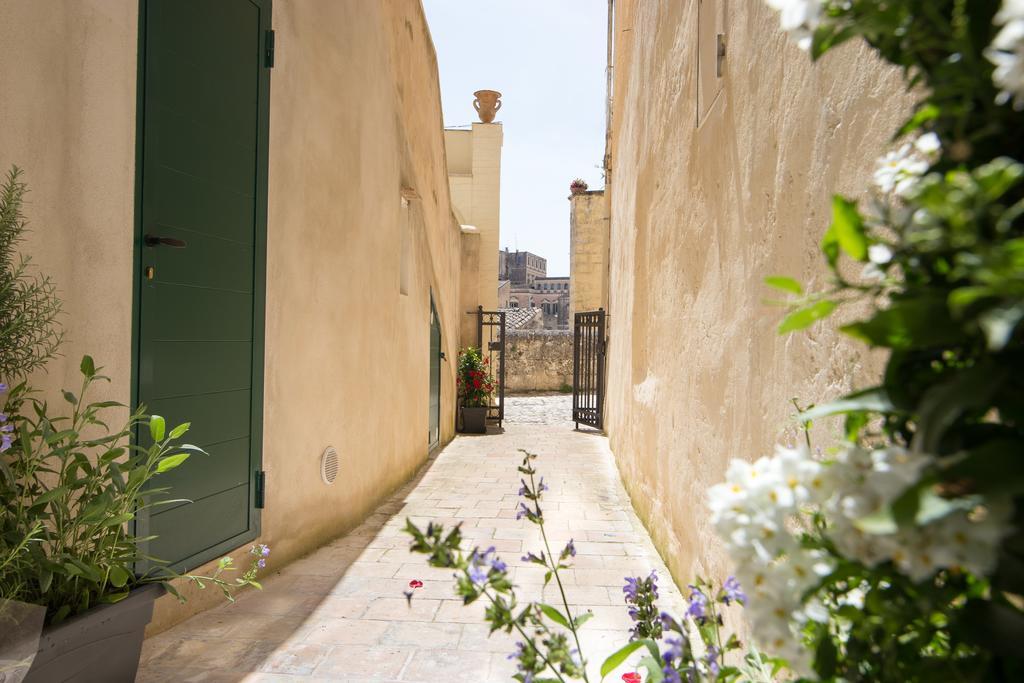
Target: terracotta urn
{"points": [[487, 104]]}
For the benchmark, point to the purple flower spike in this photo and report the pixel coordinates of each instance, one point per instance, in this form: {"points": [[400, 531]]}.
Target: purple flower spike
{"points": [[698, 604], [733, 591]]}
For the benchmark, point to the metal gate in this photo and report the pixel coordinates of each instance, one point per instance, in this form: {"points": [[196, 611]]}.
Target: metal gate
{"points": [[490, 339], [588, 349]]}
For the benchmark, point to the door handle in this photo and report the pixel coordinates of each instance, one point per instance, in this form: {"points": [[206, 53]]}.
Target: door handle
{"points": [[154, 240]]}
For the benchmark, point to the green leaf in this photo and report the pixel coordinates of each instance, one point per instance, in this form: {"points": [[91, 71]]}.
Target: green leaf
{"points": [[992, 468], [170, 462], [584, 618], [615, 659], [554, 615], [928, 112], [786, 284], [849, 228], [157, 427], [111, 598], [180, 430], [830, 245], [917, 323], [871, 400], [70, 397], [805, 317], [944, 403], [825, 657], [118, 576], [88, 367]]}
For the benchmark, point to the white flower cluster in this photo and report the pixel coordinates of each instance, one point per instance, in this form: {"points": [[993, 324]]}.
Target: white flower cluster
{"points": [[1007, 53], [799, 18], [899, 170], [763, 508]]}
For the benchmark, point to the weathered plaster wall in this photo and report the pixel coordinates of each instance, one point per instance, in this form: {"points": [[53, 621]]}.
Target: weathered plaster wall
{"points": [[699, 216], [469, 288], [67, 118], [588, 251], [538, 360], [355, 119], [474, 166]]}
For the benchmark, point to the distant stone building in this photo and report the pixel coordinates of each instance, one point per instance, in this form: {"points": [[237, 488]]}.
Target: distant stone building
{"points": [[521, 268], [549, 295]]}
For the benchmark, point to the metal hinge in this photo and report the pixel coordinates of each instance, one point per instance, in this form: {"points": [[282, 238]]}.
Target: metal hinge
{"points": [[268, 60], [261, 489]]}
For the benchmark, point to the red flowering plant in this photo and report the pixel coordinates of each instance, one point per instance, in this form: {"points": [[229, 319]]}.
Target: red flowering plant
{"points": [[474, 381]]}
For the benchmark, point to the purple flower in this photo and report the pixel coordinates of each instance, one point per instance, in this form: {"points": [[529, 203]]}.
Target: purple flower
{"points": [[733, 591], [498, 566], [653, 578], [523, 489], [3, 388], [477, 575], [523, 511], [634, 614], [7, 428], [713, 659], [668, 623], [631, 587], [674, 651], [530, 557], [670, 675], [698, 604], [265, 550], [570, 549], [520, 649], [5, 442], [543, 486], [261, 563], [3, 417]]}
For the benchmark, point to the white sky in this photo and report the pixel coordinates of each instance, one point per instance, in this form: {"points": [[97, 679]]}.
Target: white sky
{"points": [[547, 58]]}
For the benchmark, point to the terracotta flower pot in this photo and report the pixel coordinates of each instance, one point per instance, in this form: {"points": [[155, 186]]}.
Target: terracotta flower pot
{"points": [[487, 104]]}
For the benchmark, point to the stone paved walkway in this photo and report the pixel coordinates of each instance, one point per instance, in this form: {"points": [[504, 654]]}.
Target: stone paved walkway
{"points": [[339, 614]]}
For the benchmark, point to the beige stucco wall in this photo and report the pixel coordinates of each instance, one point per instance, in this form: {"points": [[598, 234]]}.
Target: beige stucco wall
{"points": [[699, 216], [474, 167], [355, 117], [588, 251], [67, 118], [469, 289], [538, 360]]}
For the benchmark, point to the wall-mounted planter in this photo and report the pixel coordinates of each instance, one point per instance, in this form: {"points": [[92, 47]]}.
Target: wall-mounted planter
{"points": [[474, 420], [100, 646]]}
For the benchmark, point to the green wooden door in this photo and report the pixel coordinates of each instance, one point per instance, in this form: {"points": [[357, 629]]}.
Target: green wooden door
{"points": [[204, 87], [435, 377]]}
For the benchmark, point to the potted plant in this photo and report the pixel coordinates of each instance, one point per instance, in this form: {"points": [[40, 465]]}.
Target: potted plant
{"points": [[578, 186], [475, 386], [73, 605]]}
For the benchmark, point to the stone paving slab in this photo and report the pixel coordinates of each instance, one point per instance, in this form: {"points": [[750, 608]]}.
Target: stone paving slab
{"points": [[339, 614]]}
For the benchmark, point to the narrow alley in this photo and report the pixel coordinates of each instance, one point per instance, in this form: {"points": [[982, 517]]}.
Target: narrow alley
{"points": [[339, 614]]}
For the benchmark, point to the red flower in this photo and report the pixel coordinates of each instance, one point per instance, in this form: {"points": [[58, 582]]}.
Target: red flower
{"points": [[415, 583], [631, 677], [476, 383]]}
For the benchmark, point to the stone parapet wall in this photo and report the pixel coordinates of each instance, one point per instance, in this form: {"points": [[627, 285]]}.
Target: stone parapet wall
{"points": [[538, 360]]}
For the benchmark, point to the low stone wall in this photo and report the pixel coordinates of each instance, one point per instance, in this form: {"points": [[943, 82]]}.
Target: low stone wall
{"points": [[538, 360]]}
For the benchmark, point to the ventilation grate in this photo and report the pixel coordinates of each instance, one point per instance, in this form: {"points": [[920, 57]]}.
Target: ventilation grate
{"points": [[329, 465]]}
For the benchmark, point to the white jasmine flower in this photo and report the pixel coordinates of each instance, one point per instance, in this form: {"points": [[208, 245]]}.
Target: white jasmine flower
{"points": [[879, 254], [799, 18], [928, 144], [1007, 53], [898, 171]]}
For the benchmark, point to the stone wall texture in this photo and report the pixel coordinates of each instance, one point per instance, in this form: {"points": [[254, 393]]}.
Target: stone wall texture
{"points": [[588, 251], [701, 212], [538, 360], [355, 117]]}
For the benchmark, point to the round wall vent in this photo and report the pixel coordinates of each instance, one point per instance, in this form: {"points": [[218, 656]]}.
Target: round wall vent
{"points": [[329, 465]]}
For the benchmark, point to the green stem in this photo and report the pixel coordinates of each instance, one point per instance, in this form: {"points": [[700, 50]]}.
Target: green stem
{"points": [[558, 579], [526, 638]]}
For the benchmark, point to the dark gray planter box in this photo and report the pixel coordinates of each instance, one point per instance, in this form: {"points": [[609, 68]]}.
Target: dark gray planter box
{"points": [[474, 420], [101, 646]]}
